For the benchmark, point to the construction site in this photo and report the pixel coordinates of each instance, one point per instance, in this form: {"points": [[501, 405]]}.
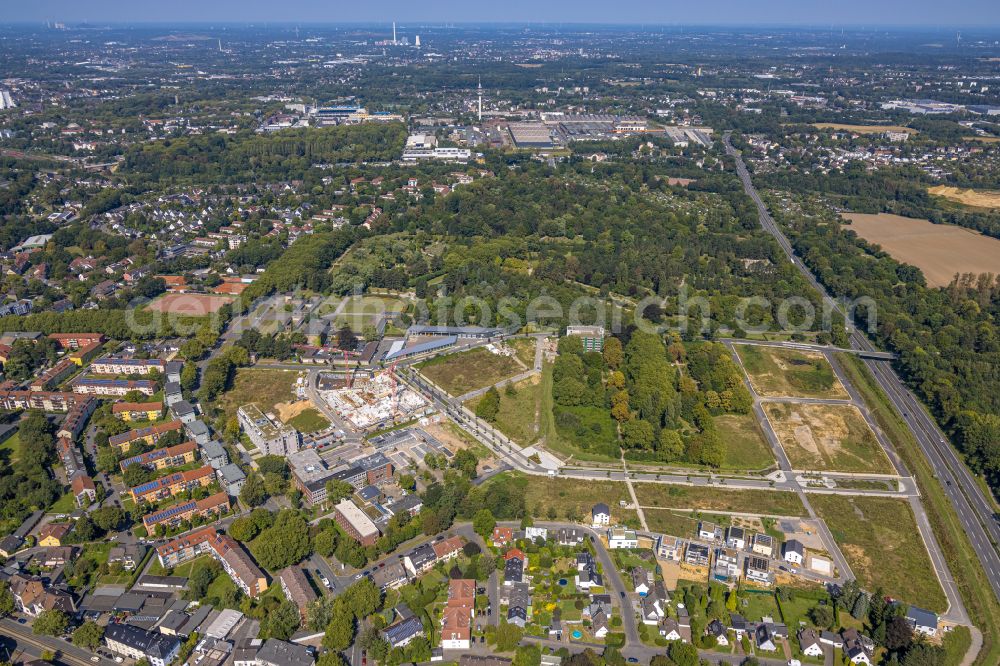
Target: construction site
{"points": [[367, 403]]}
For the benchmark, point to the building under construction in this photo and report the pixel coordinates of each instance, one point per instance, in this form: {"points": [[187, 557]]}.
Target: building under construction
{"points": [[372, 402]]}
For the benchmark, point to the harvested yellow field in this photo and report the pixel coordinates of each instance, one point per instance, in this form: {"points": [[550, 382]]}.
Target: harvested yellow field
{"points": [[939, 250], [865, 129], [977, 198]]}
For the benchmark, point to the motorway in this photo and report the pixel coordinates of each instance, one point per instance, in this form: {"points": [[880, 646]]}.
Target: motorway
{"points": [[974, 510]]}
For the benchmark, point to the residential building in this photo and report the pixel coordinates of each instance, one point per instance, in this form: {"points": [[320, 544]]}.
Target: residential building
{"points": [[270, 436], [231, 478], [763, 544], [172, 516], [135, 643], [794, 552], [51, 377], [513, 569], [518, 605], [809, 643], [183, 411], [642, 580], [110, 365], [46, 401], [456, 623], [356, 523], [403, 632], [709, 531], [32, 597], [53, 534], [727, 565], [172, 393], [214, 454], [296, 588], [600, 515], [171, 456], [669, 548], [758, 569], [173, 484], [669, 629], [112, 387], [736, 538], [502, 536], [137, 411], [717, 629], [240, 566], [532, 533], [186, 547], [922, 621], [420, 560], [448, 549], [198, 431], [621, 537], [150, 435], [84, 490], [271, 652], [697, 554], [391, 576], [128, 555]]}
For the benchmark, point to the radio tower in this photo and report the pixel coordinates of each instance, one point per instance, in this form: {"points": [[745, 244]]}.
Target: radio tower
{"points": [[394, 33], [480, 89]]}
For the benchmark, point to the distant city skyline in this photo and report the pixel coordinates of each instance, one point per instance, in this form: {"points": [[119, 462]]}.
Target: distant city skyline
{"points": [[902, 13]]}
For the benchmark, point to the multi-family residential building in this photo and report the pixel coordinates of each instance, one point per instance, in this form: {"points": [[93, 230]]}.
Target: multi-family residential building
{"points": [[237, 563], [84, 490], [214, 454], [172, 516], [231, 478], [621, 537], [46, 401], [270, 436], [51, 377], [137, 411], [110, 365], [173, 484], [112, 387], [76, 418], [150, 435], [669, 548], [456, 622], [296, 588], [171, 456], [136, 643]]}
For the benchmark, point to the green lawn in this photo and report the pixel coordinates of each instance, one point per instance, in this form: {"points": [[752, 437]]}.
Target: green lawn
{"points": [[674, 523], [65, 504], [879, 538], [309, 420], [10, 448], [763, 502], [524, 349], [745, 445], [519, 413], [777, 372], [467, 371], [571, 498]]}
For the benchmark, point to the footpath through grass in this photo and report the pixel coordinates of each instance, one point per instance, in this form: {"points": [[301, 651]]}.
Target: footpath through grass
{"points": [[966, 569]]}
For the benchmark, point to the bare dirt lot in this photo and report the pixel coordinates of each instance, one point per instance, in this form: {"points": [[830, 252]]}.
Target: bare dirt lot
{"points": [[832, 438], [939, 250], [193, 305], [976, 198]]}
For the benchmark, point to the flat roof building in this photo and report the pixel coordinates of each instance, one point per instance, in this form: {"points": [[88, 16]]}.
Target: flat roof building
{"points": [[356, 523]]}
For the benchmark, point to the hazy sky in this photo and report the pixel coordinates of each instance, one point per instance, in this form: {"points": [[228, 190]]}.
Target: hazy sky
{"points": [[979, 13]]}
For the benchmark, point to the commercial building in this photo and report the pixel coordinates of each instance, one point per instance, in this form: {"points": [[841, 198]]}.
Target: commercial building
{"points": [[310, 475], [356, 523], [137, 411], [172, 516], [135, 643], [149, 434], [272, 652], [270, 436], [172, 456], [591, 336], [173, 484]]}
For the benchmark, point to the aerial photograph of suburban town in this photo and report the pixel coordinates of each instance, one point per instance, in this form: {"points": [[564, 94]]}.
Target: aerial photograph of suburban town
{"points": [[500, 334]]}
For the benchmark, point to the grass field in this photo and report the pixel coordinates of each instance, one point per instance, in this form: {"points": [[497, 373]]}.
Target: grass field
{"points": [[745, 445], [519, 413], [879, 538], [65, 504], [10, 449], [832, 438], [939, 250], [762, 502], [865, 129], [966, 568], [308, 420], [361, 311], [467, 371], [968, 197], [776, 372], [266, 388], [524, 349], [675, 523], [572, 498]]}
